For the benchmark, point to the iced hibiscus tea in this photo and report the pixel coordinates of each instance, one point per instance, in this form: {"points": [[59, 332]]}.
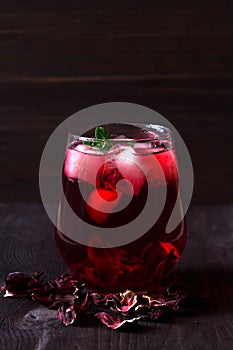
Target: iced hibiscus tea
{"points": [[143, 265]]}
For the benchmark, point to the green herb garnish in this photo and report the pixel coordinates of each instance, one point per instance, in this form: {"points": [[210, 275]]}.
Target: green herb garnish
{"points": [[102, 141], [101, 133]]}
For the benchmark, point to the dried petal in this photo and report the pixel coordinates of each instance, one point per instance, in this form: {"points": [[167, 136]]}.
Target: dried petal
{"points": [[113, 321], [66, 315], [129, 299], [17, 284], [67, 295]]}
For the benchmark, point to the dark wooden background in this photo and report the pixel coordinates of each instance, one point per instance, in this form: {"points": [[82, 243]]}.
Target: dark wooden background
{"points": [[57, 57]]}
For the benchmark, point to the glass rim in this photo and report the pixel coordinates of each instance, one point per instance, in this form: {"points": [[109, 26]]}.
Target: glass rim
{"points": [[159, 129]]}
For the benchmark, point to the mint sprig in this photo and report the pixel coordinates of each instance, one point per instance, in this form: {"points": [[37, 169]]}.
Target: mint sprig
{"points": [[101, 133], [102, 141]]}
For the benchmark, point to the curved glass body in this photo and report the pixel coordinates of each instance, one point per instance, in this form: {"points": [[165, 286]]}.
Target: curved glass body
{"points": [[143, 265]]}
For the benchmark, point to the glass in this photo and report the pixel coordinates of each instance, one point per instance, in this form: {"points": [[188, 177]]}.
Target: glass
{"points": [[135, 153]]}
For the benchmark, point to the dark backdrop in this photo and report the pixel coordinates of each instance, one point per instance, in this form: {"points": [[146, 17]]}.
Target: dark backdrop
{"points": [[60, 56]]}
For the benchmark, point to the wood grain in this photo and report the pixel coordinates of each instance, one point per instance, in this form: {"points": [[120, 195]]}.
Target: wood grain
{"points": [[175, 57], [27, 244]]}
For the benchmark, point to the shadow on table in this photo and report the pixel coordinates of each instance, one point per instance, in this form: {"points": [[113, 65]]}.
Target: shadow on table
{"points": [[214, 286]]}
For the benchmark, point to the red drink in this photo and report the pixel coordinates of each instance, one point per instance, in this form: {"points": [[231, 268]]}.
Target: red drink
{"points": [[144, 264]]}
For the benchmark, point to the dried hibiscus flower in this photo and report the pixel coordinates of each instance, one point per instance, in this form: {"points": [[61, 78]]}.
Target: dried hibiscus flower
{"points": [[71, 300]]}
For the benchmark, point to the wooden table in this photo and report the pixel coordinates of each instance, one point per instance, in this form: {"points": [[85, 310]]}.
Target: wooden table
{"points": [[27, 244]]}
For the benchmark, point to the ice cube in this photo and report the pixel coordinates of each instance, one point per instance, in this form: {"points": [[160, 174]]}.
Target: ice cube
{"points": [[142, 147], [131, 169], [120, 147], [73, 160], [154, 168], [88, 149], [81, 165], [160, 168]]}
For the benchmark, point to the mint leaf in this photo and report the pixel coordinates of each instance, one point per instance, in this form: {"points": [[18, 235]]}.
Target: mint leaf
{"points": [[103, 143], [101, 133], [92, 143]]}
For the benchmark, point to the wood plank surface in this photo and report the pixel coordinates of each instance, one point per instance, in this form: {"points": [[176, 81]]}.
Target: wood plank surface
{"points": [[57, 58], [27, 244]]}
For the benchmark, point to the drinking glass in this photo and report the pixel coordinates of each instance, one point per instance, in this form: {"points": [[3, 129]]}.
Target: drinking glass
{"points": [[108, 184]]}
